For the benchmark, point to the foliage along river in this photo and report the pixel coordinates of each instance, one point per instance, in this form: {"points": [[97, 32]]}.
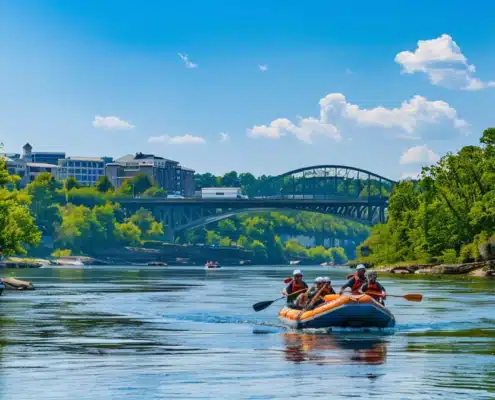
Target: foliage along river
{"points": [[183, 332]]}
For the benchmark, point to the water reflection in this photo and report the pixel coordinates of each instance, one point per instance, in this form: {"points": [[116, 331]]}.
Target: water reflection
{"points": [[322, 349]]}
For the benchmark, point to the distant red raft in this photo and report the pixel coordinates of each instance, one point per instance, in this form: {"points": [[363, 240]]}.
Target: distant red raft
{"points": [[355, 311]]}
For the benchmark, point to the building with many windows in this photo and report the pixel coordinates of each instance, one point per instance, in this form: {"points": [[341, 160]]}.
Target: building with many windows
{"points": [[165, 173], [86, 170]]}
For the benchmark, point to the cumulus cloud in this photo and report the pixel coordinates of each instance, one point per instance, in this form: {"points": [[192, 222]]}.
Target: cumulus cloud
{"points": [[187, 62], [263, 67], [442, 61], [414, 117], [419, 155], [185, 139], [224, 137], [109, 123]]}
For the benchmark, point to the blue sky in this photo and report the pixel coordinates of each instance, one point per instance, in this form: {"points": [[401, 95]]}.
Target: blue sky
{"points": [[105, 78]]}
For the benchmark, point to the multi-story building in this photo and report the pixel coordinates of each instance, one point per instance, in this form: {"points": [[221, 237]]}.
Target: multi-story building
{"points": [[34, 169], [185, 181], [165, 173], [86, 170], [43, 157]]}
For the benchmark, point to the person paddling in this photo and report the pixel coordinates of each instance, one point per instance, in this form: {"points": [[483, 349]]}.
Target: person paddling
{"points": [[306, 297], [373, 286], [329, 288], [355, 280], [296, 284]]}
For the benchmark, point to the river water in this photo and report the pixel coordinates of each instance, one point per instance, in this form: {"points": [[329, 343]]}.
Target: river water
{"points": [[182, 332]]}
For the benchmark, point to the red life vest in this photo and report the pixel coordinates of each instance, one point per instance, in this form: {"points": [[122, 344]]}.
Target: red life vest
{"points": [[296, 287], [357, 283], [373, 287]]}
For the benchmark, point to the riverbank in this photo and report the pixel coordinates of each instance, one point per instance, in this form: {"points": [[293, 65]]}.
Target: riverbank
{"points": [[480, 269]]}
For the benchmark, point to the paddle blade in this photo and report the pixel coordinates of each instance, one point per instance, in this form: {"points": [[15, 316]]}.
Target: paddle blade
{"points": [[262, 305], [414, 297]]}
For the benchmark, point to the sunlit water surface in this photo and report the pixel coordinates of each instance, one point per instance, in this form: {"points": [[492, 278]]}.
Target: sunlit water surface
{"points": [[182, 332]]}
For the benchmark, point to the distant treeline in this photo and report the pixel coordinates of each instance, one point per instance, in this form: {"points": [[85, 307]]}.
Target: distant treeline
{"points": [[261, 233]]}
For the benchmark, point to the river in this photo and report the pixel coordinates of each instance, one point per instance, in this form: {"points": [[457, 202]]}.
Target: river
{"points": [[182, 332]]}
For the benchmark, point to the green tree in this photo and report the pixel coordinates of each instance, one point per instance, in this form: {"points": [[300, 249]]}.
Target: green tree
{"points": [[17, 225], [128, 234], [71, 183], [155, 191], [45, 194], [141, 183], [143, 219], [230, 179], [103, 185]]}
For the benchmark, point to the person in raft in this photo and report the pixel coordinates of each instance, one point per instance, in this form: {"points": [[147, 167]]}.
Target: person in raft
{"points": [[373, 286], [355, 281], [320, 282], [2, 286], [304, 298], [296, 284]]}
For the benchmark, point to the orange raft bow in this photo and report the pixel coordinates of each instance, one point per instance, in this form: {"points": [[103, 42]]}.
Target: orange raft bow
{"points": [[340, 311]]}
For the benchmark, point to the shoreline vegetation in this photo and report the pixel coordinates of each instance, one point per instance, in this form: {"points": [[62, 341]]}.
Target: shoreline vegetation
{"points": [[442, 223]]}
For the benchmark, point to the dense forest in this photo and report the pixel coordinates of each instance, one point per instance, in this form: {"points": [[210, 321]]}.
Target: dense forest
{"points": [[446, 216], [262, 233]]}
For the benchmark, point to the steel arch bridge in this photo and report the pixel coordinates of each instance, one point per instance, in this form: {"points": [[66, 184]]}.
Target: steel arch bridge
{"points": [[324, 182], [348, 192]]}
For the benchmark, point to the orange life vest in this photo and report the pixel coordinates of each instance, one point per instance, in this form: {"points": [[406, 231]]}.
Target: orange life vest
{"points": [[357, 283]]}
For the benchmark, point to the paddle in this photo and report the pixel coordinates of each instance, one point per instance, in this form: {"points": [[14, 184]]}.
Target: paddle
{"points": [[409, 297], [264, 304]]}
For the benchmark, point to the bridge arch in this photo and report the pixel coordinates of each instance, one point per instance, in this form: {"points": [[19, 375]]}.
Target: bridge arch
{"points": [[324, 181]]}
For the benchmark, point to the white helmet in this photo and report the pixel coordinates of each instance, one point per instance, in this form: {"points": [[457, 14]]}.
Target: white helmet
{"points": [[326, 279], [360, 266], [297, 272], [319, 280]]}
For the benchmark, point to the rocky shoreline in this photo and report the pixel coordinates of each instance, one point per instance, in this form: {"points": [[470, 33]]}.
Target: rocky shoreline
{"points": [[480, 269]]}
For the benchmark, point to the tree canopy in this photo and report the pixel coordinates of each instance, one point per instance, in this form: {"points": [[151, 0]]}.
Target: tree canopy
{"points": [[448, 215]]}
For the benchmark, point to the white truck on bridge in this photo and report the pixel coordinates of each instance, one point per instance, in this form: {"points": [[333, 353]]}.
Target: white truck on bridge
{"points": [[222, 193]]}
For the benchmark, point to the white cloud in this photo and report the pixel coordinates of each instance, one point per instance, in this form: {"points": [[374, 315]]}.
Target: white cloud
{"points": [[111, 122], [185, 139], [419, 155], [224, 137], [414, 117], [442, 60], [188, 63], [263, 67]]}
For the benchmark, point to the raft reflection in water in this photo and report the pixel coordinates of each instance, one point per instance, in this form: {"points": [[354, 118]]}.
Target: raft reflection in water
{"points": [[323, 349]]}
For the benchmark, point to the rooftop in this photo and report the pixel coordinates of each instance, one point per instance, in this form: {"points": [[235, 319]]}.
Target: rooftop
{"points": [[78, 158], [187, 169], [40, 165], [58, 153], [142, 156]]}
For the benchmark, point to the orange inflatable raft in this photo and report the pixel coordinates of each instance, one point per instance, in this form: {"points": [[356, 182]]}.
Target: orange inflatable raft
{"points": [[356, 311]]}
